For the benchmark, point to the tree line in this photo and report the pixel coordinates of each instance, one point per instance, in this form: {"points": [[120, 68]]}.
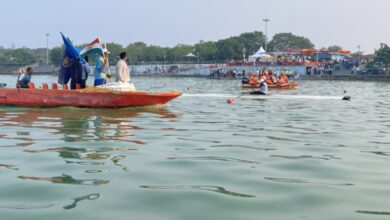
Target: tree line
{"points": [[236, 47]]}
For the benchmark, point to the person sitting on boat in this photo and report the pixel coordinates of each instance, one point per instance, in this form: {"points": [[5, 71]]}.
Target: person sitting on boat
{"points": [[101, 70], [270, 78], [24, 79], [122, 69], [253, 80], [263, 76], [283, 79], [263, 88]]}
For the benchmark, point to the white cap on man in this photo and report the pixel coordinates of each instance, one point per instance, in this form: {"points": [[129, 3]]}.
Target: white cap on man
{"points": [[106, 51]]}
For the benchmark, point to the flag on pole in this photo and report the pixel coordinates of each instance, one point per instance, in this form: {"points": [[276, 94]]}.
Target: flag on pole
{"points": [[70, 61], [94, 47]]}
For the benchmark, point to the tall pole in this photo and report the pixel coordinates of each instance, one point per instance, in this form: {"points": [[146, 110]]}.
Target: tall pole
{"points": [[47, 49], [266, 20]]}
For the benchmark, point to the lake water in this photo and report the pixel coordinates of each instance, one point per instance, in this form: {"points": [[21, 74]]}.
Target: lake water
{"points": [[200, 158]]}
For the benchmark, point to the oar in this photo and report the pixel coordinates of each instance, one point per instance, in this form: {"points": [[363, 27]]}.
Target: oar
{"points": [[231, 100]]}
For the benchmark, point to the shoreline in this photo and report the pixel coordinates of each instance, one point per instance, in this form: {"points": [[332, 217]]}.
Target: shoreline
{"points": [[344, 77]]}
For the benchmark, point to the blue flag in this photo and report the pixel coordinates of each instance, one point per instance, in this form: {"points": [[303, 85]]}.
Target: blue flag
{"points": [[70, 59]]}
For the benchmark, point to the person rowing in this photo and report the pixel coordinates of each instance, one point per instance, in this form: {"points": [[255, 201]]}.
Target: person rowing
{"points": [[263, 90]]}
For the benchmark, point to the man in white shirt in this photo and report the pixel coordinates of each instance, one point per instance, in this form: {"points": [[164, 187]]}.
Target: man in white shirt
{"points": [[122, 69]]}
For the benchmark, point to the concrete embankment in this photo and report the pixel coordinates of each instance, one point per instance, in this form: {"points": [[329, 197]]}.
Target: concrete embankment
{"points": [[347, 77]]}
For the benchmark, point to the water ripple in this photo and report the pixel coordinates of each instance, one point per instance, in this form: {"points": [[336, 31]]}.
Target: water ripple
{"points": [[216, 189], [225, 159], [66, 179], [90, 197], [287, 180], [26, 207], [373, 212], [243, 146]]}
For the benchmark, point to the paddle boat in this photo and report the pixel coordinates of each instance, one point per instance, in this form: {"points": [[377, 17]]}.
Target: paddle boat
{"points": [[91, 97], [290, 85]]}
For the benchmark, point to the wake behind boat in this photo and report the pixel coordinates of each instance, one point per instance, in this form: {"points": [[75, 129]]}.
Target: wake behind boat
{"points": [[270, 96]]}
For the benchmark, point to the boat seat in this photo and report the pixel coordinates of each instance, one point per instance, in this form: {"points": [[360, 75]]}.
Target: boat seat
{"points": [[31, 85], [45, 86], [78, 86], [65, 87], [54, 86]]}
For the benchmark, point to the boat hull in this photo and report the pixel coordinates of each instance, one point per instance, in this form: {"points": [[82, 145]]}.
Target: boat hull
{"points": [[291, 85], [89, 98]]}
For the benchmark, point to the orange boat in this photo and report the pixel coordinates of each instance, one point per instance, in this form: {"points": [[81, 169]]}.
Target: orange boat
{"points": [[290, 85], [90, 97]]}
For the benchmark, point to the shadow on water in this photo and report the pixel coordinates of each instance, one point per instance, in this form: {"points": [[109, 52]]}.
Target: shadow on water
{"points": [[216, 189], [77, 124]]}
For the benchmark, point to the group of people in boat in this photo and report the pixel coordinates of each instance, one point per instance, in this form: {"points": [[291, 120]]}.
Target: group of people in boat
{"points": [[265, 78], [102, 72]]}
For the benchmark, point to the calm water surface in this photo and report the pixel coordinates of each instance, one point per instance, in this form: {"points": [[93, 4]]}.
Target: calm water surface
{"points": [[200, 158]]}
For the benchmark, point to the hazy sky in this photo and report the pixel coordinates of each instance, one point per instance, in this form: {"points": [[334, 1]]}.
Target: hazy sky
{"points": [[348, 23]]}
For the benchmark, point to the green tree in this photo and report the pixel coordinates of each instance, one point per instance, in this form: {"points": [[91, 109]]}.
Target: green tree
{"points": [[283, 41], [383, 54], [21, 56], [179, 51], [251, 42], [115, 50], [334, 48], [154, 53], [55, 56], [230, 48], [136, 52], [206, 50]]}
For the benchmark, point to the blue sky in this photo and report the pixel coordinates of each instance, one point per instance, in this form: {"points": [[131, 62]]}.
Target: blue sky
{"points": [[348, 23]]}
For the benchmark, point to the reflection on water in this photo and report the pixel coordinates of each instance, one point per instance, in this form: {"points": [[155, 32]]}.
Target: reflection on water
{"points": [[79, 124], [373, 212], [287, 180], [26, 207], [216, 189], [91, 197], [10, 167], [66, 179], [213, 158]]}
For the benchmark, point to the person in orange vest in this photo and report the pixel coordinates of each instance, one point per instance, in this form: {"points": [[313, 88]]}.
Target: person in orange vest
{"points": [[253, 80], [270, 78], [283, 79]]}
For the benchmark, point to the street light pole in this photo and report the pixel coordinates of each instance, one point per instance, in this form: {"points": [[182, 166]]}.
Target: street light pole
{"points": [[47, 48], [266, 20]]}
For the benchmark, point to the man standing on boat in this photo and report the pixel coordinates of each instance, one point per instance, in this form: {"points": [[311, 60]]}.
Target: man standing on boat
{"points": [[85, 70], [122, 69], [24, 79], [102, 69]]}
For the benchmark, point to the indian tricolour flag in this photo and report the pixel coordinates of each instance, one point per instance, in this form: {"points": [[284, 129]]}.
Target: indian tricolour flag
{"points": [[94, 47]]}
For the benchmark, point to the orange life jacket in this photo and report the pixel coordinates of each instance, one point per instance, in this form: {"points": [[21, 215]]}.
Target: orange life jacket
{"points": [[285, 79], [269, 80], [253, 80]]}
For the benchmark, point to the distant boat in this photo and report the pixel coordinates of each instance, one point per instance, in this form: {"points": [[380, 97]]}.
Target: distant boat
{"points": [[290, 85], [91, 97]]}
